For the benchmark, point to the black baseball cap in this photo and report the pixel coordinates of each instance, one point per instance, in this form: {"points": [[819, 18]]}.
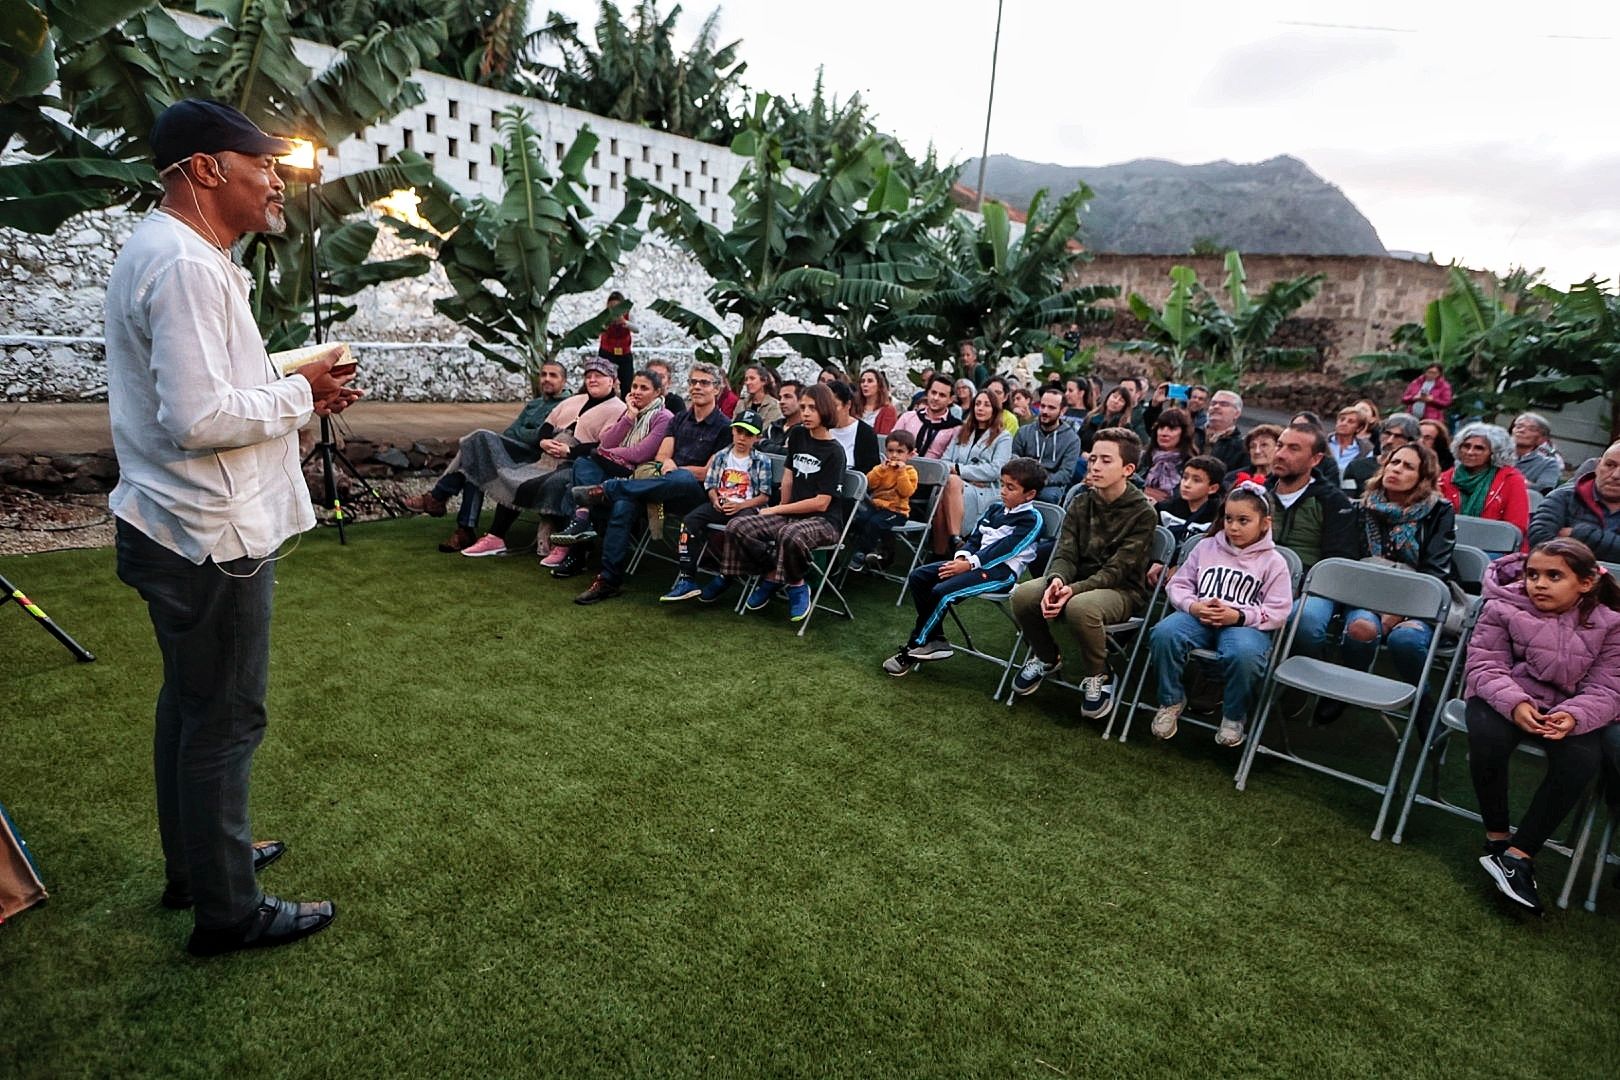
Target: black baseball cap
{"points": [[207, 127], [750, 421]]}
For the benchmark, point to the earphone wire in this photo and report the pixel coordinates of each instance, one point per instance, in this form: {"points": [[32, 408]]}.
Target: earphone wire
{"points": [[298, 538]]}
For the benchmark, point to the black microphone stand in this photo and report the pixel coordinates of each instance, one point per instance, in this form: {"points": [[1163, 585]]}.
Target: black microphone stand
{"points": [[327, 448]]}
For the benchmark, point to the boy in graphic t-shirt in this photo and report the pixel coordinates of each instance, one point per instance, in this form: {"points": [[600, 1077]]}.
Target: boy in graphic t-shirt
{"points": [[738, 484]]}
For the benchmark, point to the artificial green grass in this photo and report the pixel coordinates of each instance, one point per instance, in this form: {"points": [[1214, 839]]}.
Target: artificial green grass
{"points": [[624, 840]]}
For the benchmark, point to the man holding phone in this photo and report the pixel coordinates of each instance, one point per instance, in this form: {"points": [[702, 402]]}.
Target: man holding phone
{"points": [[210, 485]]}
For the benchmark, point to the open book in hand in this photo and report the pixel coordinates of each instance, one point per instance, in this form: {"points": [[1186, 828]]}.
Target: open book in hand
{"points": [[290, 360]]}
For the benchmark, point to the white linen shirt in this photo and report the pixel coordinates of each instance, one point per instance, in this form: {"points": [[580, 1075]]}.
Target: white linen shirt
{"points": [[205, 428]]}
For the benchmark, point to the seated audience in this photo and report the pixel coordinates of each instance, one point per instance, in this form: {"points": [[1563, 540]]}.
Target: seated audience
{"points": [[1077, 403], [514, 471], [1000, 388], [862, 447], [725, 397], [1544, 665], [931, 423], [1536, 457], [1587, 509], [1173, 438], [1403, 520], [1400, 429], [1222, 438], [778, 541], [993, 556], [1022, 405], [874, 402], [1197, 502], [1437, 437], [774, 438], [1261, 443], [1114, 411], [1312, 518], [967, 357], [887, 504], [738, 483], [1349, 442], [1051, 442], [974, 458], [681, 466], [1429, 395], [672, 400], [1097, 575], [1230, 594], [1484, 483], [1375, 427], [629, 443], [759, 394]]}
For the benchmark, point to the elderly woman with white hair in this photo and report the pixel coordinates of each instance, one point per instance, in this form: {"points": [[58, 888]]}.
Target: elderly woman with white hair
{"points": [[1484, 483]]}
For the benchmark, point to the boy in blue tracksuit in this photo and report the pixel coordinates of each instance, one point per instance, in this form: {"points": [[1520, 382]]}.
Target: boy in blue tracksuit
{"points": [[990, 560]]}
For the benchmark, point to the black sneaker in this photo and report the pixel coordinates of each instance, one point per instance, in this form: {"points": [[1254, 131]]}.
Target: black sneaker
{"points": [[578, 531], [1496, 847], [572, 564], [1515, 878]]}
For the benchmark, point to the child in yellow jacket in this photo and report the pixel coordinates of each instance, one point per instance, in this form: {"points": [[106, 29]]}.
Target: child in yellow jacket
{"points": [[889, 488]]}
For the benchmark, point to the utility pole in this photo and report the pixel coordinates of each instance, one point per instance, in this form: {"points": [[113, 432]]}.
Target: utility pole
{"points": [[984, 155]]}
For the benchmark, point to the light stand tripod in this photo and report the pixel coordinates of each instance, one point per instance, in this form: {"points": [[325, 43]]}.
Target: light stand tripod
{"points": [[331, 457], [80, 653]]}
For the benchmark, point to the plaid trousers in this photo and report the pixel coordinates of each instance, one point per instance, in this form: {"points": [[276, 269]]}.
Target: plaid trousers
{"points": [[777, 546]]}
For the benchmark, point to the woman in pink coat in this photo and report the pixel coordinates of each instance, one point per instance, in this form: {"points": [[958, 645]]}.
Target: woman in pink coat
{"points": [[1428, 396], [1543, 664]]}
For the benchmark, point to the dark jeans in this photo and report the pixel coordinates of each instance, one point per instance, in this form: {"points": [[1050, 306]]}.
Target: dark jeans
{"points": [[1572, 762], [871, 525], [213, 632], [589, 470], [678, 491], [695, 534], [934, 595], [472, 497]]}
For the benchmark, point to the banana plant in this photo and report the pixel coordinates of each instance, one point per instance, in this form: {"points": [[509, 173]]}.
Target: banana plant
{"points": [[780, 251], [1005, 294], [1237, 336], [509, 262], [1171, 331], [119, 63]]}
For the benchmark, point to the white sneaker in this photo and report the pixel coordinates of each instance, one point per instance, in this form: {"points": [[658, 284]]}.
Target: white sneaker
{"points": [[1230, 734], [1097, 696], [1164, 721]]}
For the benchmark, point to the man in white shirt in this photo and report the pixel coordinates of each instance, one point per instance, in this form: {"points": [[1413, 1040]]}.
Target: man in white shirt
{"points": [[206, 432]]}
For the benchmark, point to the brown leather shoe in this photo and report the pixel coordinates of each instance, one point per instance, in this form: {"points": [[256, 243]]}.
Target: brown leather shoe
{"points": [[462, 537], [600, 589], [424, 503]]}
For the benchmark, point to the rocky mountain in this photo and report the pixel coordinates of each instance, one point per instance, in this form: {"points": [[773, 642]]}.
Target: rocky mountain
{"points": [[1163, 208]]}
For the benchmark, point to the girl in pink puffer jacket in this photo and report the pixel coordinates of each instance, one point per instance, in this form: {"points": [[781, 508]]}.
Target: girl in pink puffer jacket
{"points": [[1544, 664]]}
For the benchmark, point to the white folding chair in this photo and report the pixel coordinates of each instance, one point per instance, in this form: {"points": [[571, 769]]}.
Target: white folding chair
{"points": [[1051, 523], [1451, 718], [1605, 858], [1495, 538], [1404, 593]]}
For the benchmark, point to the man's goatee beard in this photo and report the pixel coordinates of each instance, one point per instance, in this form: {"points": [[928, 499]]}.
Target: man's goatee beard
{"points": [[275, 222]]}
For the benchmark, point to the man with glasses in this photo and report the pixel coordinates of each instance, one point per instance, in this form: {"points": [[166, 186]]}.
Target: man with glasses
{"points": [[695, 434], [1535, 455], [1222, 439]]}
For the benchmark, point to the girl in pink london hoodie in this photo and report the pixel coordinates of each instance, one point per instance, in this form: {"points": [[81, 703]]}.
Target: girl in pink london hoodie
{"points": [[1543, 664], [1229, 595]]}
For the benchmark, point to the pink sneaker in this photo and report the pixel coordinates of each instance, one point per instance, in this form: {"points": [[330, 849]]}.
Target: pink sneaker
{"points": [[554, 557], [488, 544]]}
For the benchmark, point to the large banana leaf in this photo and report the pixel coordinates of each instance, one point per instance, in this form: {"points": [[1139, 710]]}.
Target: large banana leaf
{"points": [[371, 80], [76, 21], [27, 62], [685, 318], [38, 196]]}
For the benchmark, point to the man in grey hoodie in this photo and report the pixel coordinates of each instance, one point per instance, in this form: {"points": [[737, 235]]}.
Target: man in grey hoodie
{"points": [[1053, 443]]}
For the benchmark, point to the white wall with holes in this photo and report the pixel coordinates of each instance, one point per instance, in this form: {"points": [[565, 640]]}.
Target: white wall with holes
{"points": [[458, 130]]}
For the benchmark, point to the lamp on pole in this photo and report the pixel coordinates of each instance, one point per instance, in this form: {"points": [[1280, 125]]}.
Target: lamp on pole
{"points": [[995, 50]]}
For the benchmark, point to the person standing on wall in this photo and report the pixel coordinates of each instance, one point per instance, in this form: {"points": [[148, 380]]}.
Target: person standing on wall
{"points": [[614, 344], [206, 433]]}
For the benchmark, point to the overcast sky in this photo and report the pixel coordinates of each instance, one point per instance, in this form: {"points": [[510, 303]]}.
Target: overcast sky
{"points": [[1485, 131]]}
